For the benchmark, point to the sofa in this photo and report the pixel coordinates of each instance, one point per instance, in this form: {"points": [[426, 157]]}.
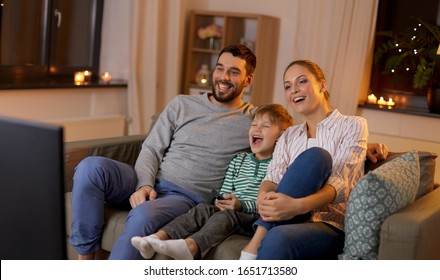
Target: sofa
{"points": [[409, 233]]}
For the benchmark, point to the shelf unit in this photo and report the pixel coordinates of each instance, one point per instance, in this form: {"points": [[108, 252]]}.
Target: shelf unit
{"points": [[259, 32]]}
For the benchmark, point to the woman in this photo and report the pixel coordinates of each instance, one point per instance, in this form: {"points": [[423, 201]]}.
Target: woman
{"points": [[283, 231]]}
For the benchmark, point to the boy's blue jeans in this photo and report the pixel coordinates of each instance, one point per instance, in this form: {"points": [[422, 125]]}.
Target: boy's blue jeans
{"points": [[297, 238]]}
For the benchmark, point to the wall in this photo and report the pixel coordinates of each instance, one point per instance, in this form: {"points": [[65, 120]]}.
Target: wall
{"points": [[66, 105], [403, 132]]}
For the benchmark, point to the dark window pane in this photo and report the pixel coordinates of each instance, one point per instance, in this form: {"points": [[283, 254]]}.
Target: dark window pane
{"points": [[21, 35], [42, 39], [72, 34]]}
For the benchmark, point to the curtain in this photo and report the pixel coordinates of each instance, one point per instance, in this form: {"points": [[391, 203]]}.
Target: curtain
{"points": [[156, 44], [339, 36]]}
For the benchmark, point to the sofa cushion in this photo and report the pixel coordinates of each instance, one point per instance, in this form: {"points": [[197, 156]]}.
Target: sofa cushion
{"points": [[229, 249], [377, 195], [427, 169]]}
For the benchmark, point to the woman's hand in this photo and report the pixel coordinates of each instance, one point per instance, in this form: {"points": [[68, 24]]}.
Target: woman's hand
{"points": [[230, 201], [275, 207], [141, 195]]}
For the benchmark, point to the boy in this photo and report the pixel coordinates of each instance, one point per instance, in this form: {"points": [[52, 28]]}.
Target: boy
{"points": [[206, 225]]}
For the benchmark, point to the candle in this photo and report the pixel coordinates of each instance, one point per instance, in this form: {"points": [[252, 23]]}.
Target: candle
{"points": [[87, 76], [390, 103], [372, 99], [106, 77], [79, 78], [381, 101], [202, 76]]}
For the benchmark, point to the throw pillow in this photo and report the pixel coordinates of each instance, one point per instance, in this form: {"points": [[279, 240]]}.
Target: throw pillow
{"points": [[377, 195], [427, 169]]}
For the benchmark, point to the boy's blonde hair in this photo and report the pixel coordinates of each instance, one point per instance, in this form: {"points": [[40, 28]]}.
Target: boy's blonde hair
{"points": [[277, 114]]}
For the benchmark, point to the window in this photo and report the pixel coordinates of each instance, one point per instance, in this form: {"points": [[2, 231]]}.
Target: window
{"points": [[395, 15], [48, 40]]}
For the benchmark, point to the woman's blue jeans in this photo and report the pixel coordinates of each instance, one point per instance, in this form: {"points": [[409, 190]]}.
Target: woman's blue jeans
{"points": [[297, 238]]}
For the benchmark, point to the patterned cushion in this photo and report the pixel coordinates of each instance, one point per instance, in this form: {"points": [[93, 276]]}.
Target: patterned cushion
{"points": [[377, 195], [427, 169]]}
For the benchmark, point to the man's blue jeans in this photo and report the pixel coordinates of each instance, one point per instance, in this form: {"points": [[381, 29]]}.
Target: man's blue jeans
{"points": [[99, 181]]}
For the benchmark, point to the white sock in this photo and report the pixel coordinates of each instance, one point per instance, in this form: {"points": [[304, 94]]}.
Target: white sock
{"points": [[175, 248], [247, 256], [143, 245]]}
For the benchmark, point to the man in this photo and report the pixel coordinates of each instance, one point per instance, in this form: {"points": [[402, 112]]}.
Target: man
{"points": [[183, 159]]}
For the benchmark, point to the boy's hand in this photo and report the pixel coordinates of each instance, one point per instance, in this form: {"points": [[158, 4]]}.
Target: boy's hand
{"points": [[230, 201]]}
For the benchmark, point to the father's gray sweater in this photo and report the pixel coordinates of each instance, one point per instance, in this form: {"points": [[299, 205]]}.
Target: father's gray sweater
{"points": [[192, 143]]}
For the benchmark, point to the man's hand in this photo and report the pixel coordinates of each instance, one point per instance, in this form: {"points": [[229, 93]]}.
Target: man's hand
{"points": [[141, 195], [376, 151]]}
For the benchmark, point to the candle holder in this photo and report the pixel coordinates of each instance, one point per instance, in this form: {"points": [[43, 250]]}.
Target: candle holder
{"points": [[390, 103], [371, 99], [106, 77], [87, 77], [202, 76], [381, 102], [78, 78]]}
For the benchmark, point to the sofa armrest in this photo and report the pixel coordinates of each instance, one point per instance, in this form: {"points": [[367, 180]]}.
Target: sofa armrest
{"points": [[413, 232], [125, 149]]}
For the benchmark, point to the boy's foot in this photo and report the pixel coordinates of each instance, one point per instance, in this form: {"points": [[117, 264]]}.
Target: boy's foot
{"points": [[247, 256], [144, 246], [176, 248]]}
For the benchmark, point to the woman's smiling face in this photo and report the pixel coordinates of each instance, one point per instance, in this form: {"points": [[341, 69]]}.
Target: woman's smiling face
{"points": [[302, 90]]}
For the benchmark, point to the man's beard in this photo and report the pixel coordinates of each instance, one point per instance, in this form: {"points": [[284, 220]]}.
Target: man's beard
{"points": [[228, 97]]}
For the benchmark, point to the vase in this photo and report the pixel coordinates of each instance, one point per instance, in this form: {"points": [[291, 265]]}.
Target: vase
{"points": [[214, 43], [433, 100], [211, 43]]}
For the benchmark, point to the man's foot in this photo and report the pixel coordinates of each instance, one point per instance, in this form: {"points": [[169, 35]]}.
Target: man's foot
{"points": [[176, 248], [143, 245]]}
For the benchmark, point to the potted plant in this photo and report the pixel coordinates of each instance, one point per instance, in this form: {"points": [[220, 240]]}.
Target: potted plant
{"points": [[415, 50]]}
